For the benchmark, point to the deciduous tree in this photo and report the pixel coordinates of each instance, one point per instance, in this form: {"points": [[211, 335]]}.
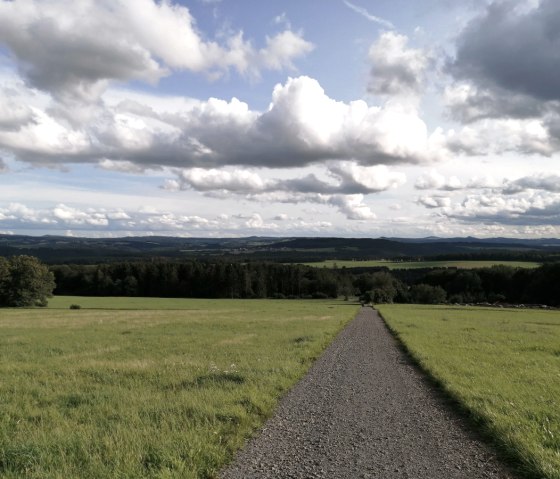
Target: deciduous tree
{"points": [[25, 281]]}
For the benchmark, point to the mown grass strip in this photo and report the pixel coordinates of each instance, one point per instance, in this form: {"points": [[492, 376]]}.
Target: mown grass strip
{"points": [[420, 264], [502, 365], [148, 393]]}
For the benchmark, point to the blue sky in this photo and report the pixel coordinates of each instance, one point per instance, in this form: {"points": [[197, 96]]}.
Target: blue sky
{"points": [[332, 118]]}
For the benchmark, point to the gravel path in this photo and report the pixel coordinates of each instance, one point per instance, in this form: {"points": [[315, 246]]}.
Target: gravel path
{"points": [[363, 411]]}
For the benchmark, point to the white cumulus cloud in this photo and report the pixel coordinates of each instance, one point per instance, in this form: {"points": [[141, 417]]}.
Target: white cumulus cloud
{"points": [[302, 126], [239, 181], [73, 50], [432, 180], [434, 201], [396, 69]]}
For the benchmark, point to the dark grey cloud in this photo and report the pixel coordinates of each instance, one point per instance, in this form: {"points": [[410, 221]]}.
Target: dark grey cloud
{"points": [[532, 216], [466, 104], [347, 182], [309, 184], [71, 63], [512, 49], [552, 124], [542, 182], [550, 183], [13, 113]]}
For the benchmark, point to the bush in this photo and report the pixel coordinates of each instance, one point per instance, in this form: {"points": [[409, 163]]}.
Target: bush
{"points": [[456, 298], [383, 295], [320, 295], [426, 294], [75, 306]]}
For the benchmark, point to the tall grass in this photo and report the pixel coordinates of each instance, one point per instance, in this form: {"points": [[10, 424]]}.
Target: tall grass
{"points": [[148, 392], [502, 365]]}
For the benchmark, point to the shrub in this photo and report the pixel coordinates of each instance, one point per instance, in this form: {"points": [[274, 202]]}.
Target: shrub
{"points": [[320, 295], [426, 294], [75, 306]]}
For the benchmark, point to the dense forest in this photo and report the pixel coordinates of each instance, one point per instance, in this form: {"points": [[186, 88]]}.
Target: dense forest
{"points": [[498, 284], [193, 279], [25, 281]]}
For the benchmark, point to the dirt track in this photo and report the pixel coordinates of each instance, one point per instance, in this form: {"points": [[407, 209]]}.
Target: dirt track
{"points": [[364, 411]]}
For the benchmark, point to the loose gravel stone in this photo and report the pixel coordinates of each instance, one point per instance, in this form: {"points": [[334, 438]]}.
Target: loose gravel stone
{"points": [[364, 410]]}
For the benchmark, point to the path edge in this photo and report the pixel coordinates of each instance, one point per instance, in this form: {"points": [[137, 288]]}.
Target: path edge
{"points": [[477, 425], [312, 360]]}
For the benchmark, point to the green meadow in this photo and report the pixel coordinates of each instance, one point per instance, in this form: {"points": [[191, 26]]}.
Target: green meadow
{"points": [[502, 365], [138, 388], [420, 264]]}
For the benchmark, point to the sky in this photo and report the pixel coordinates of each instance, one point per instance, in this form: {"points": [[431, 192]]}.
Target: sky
{"points": [[219, 118]]}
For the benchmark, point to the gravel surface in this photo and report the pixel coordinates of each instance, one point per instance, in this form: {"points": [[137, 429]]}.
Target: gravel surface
{"points": [[364, 411]]}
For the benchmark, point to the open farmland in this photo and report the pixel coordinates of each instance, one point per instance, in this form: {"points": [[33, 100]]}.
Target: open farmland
{"points": [[148, 387], [465, 264], [502, 365]]}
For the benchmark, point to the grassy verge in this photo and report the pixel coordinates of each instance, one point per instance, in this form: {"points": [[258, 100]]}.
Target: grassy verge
{"points": [[421, 264], [502, 365], [146, 392]]}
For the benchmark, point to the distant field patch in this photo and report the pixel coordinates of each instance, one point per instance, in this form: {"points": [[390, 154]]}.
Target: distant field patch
{"points": [[144, 388], [502, 365], [420, 264]]}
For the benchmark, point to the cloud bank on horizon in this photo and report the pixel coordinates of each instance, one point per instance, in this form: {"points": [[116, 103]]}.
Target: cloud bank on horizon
{"points": [[205, 118]]}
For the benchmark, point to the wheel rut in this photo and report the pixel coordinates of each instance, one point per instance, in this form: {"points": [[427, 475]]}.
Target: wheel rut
{"points": [[364, 411]]}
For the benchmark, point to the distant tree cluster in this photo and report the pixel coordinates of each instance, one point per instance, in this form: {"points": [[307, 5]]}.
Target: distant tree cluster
{"points": [[383, 287], [24, 281], [193, 279], [497, 284]]}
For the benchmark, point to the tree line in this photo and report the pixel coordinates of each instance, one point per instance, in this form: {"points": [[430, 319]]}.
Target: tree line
{"points": [[24, 281], [193, 279], [497, 284], [264, 280]]}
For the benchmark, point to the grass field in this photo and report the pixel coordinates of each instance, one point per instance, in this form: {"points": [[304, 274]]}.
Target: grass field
{"points": [[421, 264], [502, 365], [148, 387]]}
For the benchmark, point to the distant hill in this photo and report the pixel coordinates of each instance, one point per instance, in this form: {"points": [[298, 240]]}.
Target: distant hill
{"points": [[539, 242], [61, 249]]}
